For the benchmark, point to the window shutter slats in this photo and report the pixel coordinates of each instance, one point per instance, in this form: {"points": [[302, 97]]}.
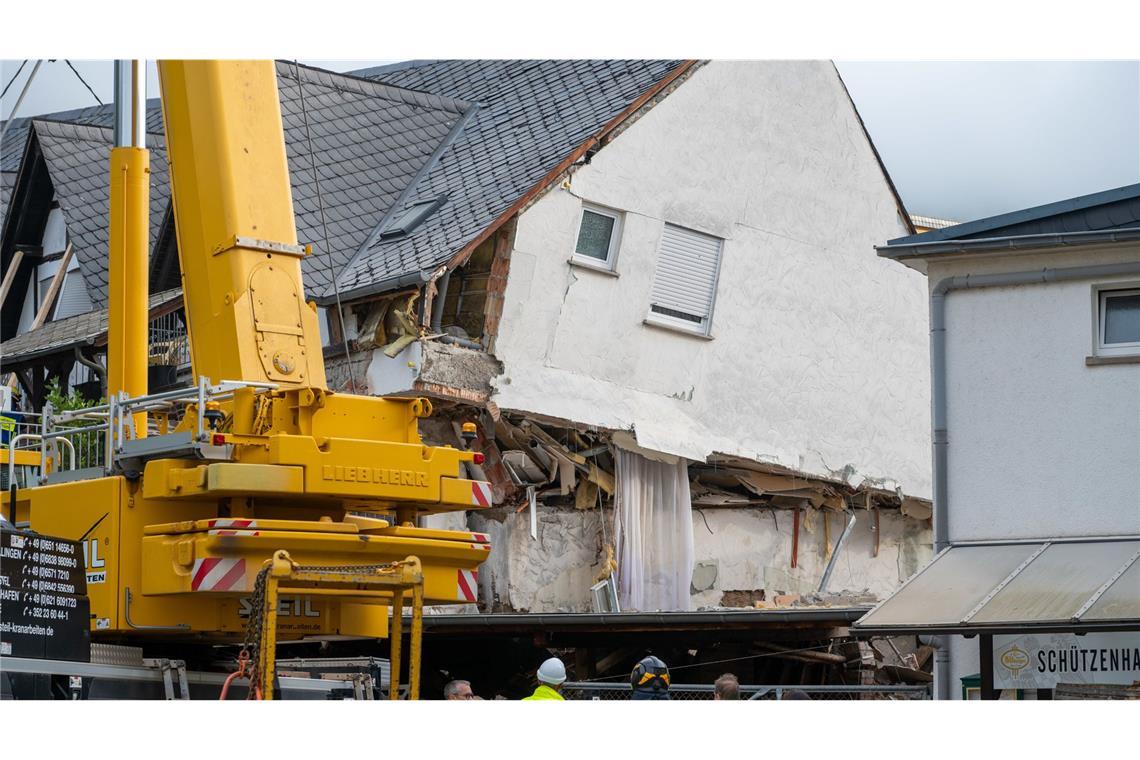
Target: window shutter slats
{"points": [[686, 274], [73, 298]]}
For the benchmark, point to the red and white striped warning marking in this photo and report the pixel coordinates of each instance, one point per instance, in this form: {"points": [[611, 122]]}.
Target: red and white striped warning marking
{"points": [[480, 493], [231, 522], [467, 587], [233, 532], [484, 547], [218, 574]]}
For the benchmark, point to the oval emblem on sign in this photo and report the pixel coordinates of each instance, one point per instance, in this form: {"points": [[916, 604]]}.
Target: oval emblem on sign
{"points": [[1015, 659]]}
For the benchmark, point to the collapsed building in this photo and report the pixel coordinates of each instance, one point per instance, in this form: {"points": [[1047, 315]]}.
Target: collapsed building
{"points": [[651, 285]]}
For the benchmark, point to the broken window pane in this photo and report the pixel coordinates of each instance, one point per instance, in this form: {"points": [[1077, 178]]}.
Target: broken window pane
{"points": [[1122, 318], [594, 235]]}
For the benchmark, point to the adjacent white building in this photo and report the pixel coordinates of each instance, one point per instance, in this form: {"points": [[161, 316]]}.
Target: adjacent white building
{"points": [[1036, 377]]}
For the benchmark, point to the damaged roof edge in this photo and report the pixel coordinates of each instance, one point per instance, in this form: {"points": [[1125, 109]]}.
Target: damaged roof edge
{"points": [[911, 504], [380, 287], [460, 257]]}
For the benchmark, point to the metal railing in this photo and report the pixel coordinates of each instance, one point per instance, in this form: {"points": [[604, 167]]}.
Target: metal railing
{"points": [[17, 424], [589, 690], [96, 435], [168, 342]]}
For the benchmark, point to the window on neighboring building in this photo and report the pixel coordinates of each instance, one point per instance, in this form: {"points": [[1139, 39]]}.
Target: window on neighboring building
{"points": [[684, 284], [1118, 330], [599, 233]]}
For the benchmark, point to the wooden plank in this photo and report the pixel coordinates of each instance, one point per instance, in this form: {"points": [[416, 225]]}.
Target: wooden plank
{"points": [[10, 275], [613, 659], [803, 655], [53, 289]]}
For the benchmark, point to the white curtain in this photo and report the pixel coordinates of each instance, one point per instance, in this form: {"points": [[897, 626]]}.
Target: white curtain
{"points": [[653, 533]]}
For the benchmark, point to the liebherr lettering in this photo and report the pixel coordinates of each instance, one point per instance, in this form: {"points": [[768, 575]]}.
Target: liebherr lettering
{"points": [[379, 475]]}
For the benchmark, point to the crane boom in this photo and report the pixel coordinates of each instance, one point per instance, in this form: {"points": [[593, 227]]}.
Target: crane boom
{"points": [[259, 464], [237, 238]]}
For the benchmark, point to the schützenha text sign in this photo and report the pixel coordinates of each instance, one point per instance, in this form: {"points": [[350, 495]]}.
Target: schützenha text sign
{"points": [[1043, 660]]}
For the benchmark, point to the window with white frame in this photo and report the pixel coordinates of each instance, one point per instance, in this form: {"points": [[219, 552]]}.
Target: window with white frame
{"points": [[599, 234], [684, 283], [1118, 322]]}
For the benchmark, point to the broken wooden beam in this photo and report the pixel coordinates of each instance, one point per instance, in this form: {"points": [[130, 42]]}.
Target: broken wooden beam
{"points": [[805, 655]]}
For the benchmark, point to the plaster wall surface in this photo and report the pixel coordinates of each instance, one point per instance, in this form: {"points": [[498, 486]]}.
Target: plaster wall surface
{"points": [[752, 549], [743, 549], [818, 359], [1041, 445]]}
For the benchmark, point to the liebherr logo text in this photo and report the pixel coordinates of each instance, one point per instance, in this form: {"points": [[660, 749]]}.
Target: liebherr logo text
{"points": [[380, 475]]}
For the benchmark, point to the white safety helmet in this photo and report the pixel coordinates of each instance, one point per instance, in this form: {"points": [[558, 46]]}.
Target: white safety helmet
{"points": [[552, 671]]}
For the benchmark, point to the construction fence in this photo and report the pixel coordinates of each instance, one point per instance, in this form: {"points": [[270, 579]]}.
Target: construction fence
{"points": [[589, 690]]}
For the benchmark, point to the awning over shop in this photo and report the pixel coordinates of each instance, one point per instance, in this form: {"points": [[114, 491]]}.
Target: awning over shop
{"points": [[1048, 585]]}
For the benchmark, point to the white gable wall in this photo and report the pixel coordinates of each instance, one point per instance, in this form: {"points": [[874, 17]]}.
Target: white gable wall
{"points": [[818, 358]]}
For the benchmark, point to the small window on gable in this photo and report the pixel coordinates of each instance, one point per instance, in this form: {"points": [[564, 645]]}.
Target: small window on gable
{"points": [[1118, 329], [684, 283], [599, 234]]}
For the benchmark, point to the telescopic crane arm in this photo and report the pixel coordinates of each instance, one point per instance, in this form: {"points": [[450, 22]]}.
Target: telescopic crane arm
{"points": [[237, 238]]}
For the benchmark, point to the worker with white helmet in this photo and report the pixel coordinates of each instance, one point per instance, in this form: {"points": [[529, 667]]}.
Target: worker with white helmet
{"points": [[551, 676]]}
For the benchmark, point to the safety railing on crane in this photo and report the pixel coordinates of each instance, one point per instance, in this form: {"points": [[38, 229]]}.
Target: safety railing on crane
{"points": [[94, 436]]}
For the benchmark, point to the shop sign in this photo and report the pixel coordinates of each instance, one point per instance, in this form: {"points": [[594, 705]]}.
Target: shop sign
{"points": [[1043, 660]]}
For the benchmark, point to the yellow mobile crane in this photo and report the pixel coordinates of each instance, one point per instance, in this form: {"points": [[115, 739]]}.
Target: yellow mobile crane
{"points": [[259, 478]]}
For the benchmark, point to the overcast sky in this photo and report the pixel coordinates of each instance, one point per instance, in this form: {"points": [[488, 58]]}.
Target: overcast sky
{"points": [[962, 140]]}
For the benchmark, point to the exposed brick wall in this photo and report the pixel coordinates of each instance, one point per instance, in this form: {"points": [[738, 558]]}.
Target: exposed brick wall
{"points": [[497, 283]]}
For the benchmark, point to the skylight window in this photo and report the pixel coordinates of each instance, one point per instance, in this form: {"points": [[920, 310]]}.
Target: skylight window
{"points": [[404, 222]]}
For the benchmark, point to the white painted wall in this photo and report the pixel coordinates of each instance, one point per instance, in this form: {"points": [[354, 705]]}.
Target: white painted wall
{"points": [[1040, 444], [819, 356]]}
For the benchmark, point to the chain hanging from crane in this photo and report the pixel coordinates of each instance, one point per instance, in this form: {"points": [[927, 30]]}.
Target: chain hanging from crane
{"points": [[391, 579]]}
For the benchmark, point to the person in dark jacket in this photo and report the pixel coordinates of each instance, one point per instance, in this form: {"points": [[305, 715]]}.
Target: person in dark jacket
{"points": [[650, 679]]}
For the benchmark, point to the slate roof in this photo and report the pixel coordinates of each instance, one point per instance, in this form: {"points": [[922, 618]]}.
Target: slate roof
{"points": [[370, 141], [7, 180], [383, 138], [532, 115], [12, 149], [77, 160], [1084, 218], [89, 328]]}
